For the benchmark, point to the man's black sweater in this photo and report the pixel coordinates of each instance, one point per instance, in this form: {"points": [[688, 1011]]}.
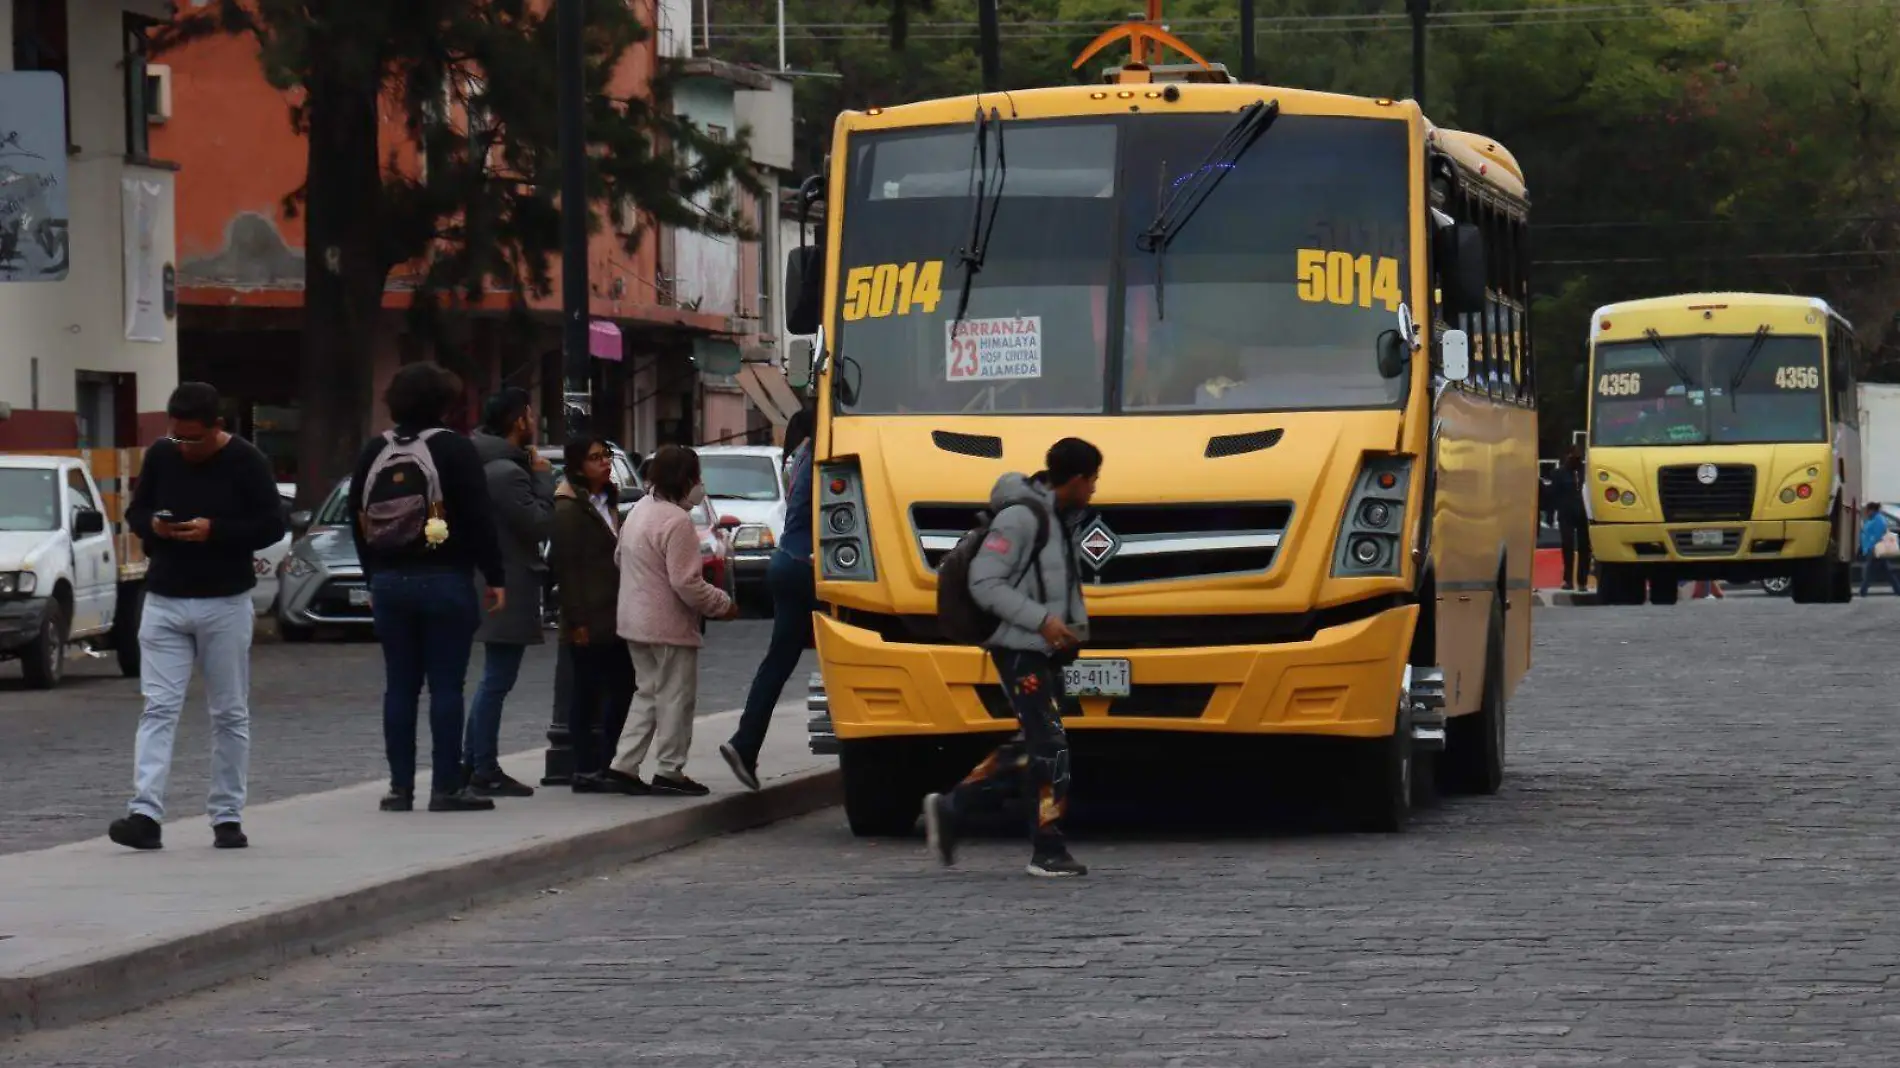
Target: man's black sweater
{"points": [[234, 489]]}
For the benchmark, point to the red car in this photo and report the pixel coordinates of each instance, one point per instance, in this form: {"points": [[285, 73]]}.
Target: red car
{"points": [[715, 544]]}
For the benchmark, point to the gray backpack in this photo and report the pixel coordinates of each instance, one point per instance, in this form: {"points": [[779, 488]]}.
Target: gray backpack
{"points": [[401, 493]]}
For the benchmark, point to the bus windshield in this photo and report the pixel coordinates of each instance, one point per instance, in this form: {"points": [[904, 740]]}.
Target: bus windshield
{"points": [[1271, 296], [1709, 390]]}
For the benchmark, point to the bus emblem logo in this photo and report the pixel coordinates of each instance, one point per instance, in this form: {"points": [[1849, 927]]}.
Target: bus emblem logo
{"points": [[1099, 544], [1706, 474]]}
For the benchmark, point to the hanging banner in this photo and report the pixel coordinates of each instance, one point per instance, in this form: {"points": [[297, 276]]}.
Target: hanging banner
{"points": [[32, 177], [144, 264]]}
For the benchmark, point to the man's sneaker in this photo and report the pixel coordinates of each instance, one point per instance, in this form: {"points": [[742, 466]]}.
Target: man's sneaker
{"points": [[681, 785], [229, 835], [620, 782], [137, 831], [940, 828], [1057, 866], [498, 784], [399, 801], [460, 801], [746, 771]]}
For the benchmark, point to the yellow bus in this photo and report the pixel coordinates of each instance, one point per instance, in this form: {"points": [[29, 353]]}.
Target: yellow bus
{"points": [[1722, 445], [1295, 324]]}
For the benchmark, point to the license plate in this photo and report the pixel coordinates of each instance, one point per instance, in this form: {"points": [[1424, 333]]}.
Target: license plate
{"points": [[1096, 678], [359, 598], [1706, 539]]}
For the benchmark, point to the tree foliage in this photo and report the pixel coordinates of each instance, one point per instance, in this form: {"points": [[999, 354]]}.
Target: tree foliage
{"points": [[1670, 147]]}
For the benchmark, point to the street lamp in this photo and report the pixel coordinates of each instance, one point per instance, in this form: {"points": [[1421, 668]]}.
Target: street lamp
{"points": [[570, 107], [1419, 10]]}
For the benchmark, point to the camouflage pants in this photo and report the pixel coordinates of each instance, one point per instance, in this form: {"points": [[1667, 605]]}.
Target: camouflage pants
{"points": [[1037, 759]]}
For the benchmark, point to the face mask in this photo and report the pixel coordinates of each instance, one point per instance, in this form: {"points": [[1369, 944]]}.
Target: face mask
{"points": [[696, 496]]}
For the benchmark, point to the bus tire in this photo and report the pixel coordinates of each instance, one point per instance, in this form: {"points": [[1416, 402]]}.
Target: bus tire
{"points": [[1664, 588], [884, 786], [1619, 584], [1843, 571], [1386, 783], [1473, 762], [1813, 582], [125, 628]]}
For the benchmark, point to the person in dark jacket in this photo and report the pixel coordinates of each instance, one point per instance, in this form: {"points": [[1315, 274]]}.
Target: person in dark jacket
{"points": [[423, 592], [794, 599], [521, 494], [205, 502], [1037, 597], [1573, 525], [586, 533]]}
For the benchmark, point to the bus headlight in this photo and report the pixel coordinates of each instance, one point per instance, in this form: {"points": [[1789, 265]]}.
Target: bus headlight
{"points": [[844, 532], [1369, 537]]}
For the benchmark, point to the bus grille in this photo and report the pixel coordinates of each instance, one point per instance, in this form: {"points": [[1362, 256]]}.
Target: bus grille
{"points": [[1731, 497], [1130, 543]]}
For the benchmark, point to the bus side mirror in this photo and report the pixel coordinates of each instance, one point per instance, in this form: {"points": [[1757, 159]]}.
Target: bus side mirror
{"points": [[1454, 355], [1392, 353], [1461, 269], [804, 290], [798, 363]]}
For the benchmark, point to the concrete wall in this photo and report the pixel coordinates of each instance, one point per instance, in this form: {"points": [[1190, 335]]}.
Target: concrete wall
{"points": [[78, 324]]}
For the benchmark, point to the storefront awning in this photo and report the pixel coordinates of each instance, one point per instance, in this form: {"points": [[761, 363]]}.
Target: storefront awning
{"points": [[603, 341]]}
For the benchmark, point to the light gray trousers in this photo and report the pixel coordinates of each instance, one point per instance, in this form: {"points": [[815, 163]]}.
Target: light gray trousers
{"points": [[213, 634]]}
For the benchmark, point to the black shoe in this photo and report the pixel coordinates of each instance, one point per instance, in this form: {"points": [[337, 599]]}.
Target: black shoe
{"points": [[497, 784], [683, 786], [459, 801], [746, 771], [590, 783], [940, 828], [399, 801], [229, 835], [619, 782], [137, 831], [1057, 865]]}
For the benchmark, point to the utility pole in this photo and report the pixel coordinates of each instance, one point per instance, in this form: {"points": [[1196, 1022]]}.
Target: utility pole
{"points": [[990, 45], [1419, 9], [1247, 72], [570, 107]]}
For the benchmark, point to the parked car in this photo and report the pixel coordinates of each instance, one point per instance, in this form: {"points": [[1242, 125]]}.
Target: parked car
{"points": [[64, 576], [269, 563], [747, 483], [321, 581]]}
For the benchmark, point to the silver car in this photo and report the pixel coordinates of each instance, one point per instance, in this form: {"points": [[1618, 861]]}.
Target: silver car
{"points": [[321, 584]]}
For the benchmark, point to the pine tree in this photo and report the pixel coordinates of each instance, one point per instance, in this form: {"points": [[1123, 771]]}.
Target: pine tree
{"points": [[473, 206]]}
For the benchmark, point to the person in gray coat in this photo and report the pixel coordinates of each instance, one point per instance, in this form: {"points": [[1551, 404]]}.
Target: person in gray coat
{"points": [[521, 494], [1037, 598]]}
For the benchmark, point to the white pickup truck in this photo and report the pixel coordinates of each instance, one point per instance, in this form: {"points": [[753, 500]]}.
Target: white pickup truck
{"points": [[67, 577]]}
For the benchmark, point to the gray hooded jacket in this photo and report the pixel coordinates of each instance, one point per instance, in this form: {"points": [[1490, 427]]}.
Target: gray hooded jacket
{"points": [[522, 500], [1004, 584]]}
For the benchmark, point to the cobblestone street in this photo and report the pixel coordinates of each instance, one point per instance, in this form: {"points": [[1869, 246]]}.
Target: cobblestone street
{"points": [[1692, 863], [66, 755]]}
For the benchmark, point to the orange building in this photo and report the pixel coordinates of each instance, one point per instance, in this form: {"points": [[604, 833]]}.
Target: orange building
{"points": [[686, 305]]}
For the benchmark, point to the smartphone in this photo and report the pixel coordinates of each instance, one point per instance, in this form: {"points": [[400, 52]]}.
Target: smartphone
{"points": [[168, 516]]}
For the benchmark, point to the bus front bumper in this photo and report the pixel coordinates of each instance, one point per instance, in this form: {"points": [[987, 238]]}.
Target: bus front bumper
{"points": [[1751, 542], [1344, 681]]}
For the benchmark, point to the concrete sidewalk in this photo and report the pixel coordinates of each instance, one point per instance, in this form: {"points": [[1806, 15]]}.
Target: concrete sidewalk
{"points": [[91, 929]]}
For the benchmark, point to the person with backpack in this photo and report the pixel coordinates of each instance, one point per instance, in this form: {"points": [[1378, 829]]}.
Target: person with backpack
{"points": [[521, 497], [423, 533], [794, 599], [1013, 586]]}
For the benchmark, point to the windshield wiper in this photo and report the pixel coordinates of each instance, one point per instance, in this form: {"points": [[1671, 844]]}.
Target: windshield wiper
{"points": [[1656, 340], [1748, 361], [982, 222], [1191, 193]]}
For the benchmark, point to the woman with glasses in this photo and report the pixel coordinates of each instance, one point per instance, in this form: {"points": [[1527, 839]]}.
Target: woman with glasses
{"points": [[586, 532]]}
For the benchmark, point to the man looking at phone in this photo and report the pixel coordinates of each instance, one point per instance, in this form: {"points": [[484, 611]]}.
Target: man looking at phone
{"points": [[204, 505]]}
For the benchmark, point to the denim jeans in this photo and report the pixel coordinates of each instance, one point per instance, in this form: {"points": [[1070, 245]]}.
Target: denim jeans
{"points": [[601, 694], [426, 621], [793, 601], [501, 666], [1871, 564], [214, 633]]}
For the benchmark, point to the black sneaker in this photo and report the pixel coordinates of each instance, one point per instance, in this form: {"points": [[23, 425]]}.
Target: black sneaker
{"points": [[137, 831], [498, 784], [620, 782], [589, 783], [229, 835], [681, 785], [1058, 865], [460, 801], [940, 828], [399, 801], [746, 771]]}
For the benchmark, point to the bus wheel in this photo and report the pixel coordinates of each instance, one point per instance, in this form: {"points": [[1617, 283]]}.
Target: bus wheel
{"points": [[1663, 588], [884, 785], [1473, 762], [1385, 783], [1619, 584], [1813, 582], [1843, 572]]}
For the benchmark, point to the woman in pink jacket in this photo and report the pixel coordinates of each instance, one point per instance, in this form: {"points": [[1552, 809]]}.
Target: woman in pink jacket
{"points": [[663, 597]]}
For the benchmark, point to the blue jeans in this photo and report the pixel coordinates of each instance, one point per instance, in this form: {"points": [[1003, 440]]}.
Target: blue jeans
{"points": [[1881, 564], [501, 666], [213, 633], [426, 621], [794, 599]]}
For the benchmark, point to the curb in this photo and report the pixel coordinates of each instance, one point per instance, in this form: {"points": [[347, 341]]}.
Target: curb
{"points": [[141, 977]]}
